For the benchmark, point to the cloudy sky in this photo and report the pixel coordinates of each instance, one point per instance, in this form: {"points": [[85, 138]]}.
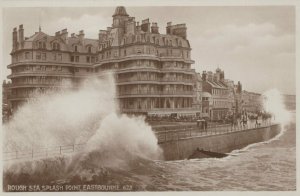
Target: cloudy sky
{"points": [[254, 45]]}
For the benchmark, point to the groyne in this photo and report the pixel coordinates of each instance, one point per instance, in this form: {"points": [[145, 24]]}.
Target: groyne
{"points": [[225, 142]]}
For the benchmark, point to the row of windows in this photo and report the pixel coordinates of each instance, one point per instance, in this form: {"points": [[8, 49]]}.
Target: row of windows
{"points": [[36, 68], [142, 38], [219, 91], [43, 56], [41, 80], [56, 46], [220, 103]]}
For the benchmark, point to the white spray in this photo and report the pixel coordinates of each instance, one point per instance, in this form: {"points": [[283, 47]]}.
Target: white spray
{"points": [[87, 115], [273, 103]]}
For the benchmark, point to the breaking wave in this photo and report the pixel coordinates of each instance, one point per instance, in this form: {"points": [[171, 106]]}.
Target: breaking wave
{"points": [[87, 115]]}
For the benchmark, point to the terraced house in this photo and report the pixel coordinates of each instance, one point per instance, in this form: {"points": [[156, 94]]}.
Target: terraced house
{"points": [[152, 70]]}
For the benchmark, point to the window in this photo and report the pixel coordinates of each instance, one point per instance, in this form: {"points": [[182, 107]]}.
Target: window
{"points": [[93, 59], [54, 57], [59, 56], [89, 49], [40, 45], [56, 46], [75, 49], [88, 59], [72, 58], [27, 55], [43, 56], [76, 58], [125, 52], [44, 45], [38, 56], [76, 69]]}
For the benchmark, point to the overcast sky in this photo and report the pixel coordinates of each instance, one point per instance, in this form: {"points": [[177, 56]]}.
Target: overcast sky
{"points": [[254, 45]]}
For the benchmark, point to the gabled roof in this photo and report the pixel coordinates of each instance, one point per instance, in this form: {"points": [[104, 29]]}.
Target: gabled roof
{"points": [[37, 36], [216, 84]]}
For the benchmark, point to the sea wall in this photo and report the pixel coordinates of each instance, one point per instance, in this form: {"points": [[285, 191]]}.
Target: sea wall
{"points": [[222, 143]]}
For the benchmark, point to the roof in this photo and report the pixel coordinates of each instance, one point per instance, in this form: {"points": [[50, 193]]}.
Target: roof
{"points": [[216, 84], [120, 11]]}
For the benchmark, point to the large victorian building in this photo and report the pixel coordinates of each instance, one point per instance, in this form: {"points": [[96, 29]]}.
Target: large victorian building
{"points": [[152, 70]]}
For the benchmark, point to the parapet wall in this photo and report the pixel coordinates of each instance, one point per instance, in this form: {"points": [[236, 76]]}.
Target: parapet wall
{"points": [[222, 143]]}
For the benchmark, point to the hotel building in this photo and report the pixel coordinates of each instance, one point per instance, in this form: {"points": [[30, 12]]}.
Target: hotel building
{"points": [[152, 70]]}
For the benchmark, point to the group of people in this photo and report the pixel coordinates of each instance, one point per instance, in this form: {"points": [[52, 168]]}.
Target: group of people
{"points": [[245, 118]]}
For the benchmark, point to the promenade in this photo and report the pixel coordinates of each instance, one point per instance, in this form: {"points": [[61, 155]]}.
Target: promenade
{"points": [[163, 136]]}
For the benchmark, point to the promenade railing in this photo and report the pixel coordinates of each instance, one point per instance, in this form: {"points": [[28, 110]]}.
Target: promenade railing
{"points": [[162, 137], [42, 152], [194, 131]]}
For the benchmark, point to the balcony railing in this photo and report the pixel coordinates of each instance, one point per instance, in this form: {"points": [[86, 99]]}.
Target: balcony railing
{"points": [[40, 73], [136, 79], [39, 84], [155, 92]]}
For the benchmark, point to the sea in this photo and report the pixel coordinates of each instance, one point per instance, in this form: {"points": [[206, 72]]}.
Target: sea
{"points": [[266, 166]]}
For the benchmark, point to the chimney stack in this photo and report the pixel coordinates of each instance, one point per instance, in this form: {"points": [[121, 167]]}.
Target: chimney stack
{"points": [[15, 38], [145, 25], [154, 28], [204, 75], [21, 34], [64, 34], [81, 35], [102, 35], [168, 28]]}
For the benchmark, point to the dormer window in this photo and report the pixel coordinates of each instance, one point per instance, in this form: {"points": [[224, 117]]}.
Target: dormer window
{"points": [[75, 49], [56, 46], [41, 45]]}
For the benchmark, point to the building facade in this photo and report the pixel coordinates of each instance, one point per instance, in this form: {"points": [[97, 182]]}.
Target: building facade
{"points": [[6, 106], [197, 102], [213, 83], [251, 102], [152, 70]]}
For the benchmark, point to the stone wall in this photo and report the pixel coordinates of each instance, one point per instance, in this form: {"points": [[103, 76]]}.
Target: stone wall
{"points": [[223, 143]]}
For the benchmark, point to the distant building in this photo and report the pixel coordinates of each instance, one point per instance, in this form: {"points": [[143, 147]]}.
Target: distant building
{"points": [[251, 102], [213, 83], [152, 70], [290, 102], [197, 102]]}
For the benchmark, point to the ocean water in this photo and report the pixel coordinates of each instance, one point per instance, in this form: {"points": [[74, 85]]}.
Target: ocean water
{"points": [[265, 166], [268, 166]]}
